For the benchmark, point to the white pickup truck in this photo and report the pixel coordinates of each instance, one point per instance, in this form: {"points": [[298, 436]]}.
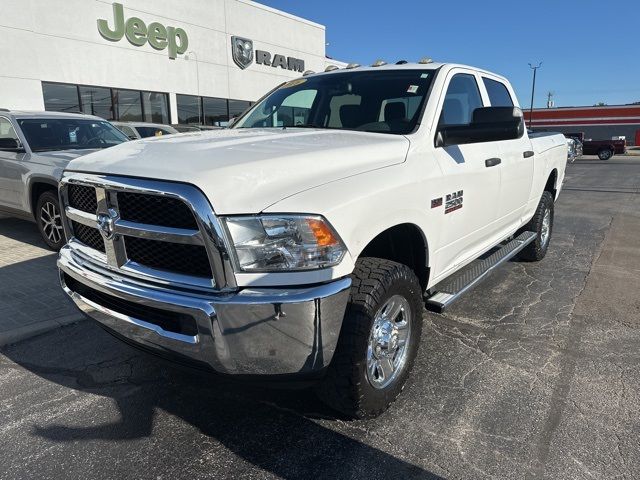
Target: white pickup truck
{"points": [[304, 242]]}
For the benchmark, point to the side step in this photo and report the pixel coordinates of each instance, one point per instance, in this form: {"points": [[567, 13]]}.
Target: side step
{"points": [[450, 289]]}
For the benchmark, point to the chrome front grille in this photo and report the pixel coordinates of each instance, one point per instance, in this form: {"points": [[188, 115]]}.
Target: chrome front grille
{"points": [[161, 232]]}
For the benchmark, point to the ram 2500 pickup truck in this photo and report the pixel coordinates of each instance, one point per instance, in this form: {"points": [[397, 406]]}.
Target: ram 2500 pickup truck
{"points": [[304, 242], [35, 147]]}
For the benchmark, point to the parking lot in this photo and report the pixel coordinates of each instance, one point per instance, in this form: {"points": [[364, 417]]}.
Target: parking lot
{"points": [[534, 374]]}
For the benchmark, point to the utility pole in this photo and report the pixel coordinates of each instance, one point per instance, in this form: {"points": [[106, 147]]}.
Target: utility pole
{"points": [[533, 90]]}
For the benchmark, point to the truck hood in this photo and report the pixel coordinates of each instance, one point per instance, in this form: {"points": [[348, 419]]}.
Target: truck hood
{"points": [[247, 170]]}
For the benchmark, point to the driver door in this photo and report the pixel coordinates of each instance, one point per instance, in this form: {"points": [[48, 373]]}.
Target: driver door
{"points": [[470, 186]]}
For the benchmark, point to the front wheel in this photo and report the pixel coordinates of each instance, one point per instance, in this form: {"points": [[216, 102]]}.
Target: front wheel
{"points": [[378, 342], [542, 225], [49, 220], [605, 154]]}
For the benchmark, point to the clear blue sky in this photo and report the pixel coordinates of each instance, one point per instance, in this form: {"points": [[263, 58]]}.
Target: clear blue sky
{"points": [[590, 49]]}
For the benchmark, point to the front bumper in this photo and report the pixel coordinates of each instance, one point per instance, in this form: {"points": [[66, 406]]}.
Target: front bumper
{"points": [[251, 332]]}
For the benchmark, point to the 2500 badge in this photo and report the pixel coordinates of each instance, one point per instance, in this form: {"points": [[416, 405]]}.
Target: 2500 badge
{"points": [[453, 201]]}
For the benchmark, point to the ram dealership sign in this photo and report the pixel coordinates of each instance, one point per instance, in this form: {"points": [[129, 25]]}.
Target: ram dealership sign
{"points": [[243, 55], [138, 33]]}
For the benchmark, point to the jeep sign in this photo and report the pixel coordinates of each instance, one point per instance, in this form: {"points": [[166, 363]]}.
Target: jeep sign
{"points": [[138, 33]]}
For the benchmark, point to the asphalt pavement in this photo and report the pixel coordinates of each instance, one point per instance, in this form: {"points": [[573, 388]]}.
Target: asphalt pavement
{"points": [[534, 374]]}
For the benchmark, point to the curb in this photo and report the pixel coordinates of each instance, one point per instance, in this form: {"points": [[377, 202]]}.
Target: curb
{"points": [[22, 333]]}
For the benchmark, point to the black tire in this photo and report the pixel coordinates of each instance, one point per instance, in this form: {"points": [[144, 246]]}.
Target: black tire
{"points": [[347, 387], [605, 154], [47, 214], [537, 249]]}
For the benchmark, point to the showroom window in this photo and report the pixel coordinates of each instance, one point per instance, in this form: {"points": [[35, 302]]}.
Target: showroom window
{"points": [[216, 111], [59, 97], [128, 105], [236, 107], [189, 109], [97, 101], [155, 107], [108, 103]]}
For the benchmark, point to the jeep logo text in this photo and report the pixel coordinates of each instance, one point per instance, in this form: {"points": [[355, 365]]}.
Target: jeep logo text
{"points": [[138, 33]]}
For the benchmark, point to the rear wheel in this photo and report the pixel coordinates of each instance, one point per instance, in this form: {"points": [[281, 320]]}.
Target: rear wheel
{"points": [[49, 220], [605, 154], [378, 342], [542, 225]]}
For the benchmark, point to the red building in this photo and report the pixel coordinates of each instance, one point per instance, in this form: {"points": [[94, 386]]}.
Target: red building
{"points": [[597, 123]]}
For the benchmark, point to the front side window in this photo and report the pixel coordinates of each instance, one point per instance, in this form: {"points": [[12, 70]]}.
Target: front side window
{"points": [[48, 134], [384, 101], [461, 99], [146, 132], [7, 130], [498, 93], [60, 98]]}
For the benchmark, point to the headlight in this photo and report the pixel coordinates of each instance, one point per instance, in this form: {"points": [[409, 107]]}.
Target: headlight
{"points": [[275, 243]]}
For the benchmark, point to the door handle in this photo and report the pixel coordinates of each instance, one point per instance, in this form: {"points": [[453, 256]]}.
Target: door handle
{"points": [[527, 154], [492, 162]]}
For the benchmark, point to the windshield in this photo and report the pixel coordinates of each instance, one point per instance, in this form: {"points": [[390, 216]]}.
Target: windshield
{"points": [[384, 101], [47, 134]]}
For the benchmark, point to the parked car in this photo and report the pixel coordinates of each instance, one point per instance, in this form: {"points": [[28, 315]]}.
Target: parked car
{"points": [[34, 149], [137, 130], [302, 242], [604, 149], [574, 149], [194, 128]]}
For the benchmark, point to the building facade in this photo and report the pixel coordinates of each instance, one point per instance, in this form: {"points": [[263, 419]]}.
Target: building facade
{"points": [[197, 61], [597, 123]]}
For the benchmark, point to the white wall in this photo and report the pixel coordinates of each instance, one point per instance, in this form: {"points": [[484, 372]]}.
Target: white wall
{"points": [[58, 40]]}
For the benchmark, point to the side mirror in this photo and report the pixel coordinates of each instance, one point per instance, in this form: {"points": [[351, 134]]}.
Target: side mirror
{"points": [[489, 124], [11, 145]]}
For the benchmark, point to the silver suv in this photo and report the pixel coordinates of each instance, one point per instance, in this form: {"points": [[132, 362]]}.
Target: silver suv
{"points": [[35, 147]]}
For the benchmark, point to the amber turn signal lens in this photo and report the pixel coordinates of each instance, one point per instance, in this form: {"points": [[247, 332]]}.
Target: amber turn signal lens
{"points": [[322, 232]]}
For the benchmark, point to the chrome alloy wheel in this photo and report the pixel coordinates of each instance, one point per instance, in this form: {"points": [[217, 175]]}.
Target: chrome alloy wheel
{"points": [[545, 231], [388, 342], [51, 222]]}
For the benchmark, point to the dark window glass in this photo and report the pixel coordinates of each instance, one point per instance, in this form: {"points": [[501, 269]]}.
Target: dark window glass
{"points": [[97, 101], [128, 105], [215, 111], [462, 98], [48, 134], [156, 107], [189, 109], [498, 93], [236, 107], [380, 101], [60, 98], [152, 131]]}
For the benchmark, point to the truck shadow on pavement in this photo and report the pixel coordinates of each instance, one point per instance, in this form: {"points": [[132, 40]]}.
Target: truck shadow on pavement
{"points": [[21, 230], [275, 430]]}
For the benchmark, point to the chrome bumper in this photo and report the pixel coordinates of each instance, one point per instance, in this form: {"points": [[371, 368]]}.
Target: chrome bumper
{"points": [[255, 331]]}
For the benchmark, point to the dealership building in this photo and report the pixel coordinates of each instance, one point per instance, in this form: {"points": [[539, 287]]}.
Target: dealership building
{"points": [[597, 122], [198, 61]]}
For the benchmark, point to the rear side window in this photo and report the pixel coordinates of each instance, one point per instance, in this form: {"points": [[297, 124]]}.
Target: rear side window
{"points": [[462, 98], [498, 93]]}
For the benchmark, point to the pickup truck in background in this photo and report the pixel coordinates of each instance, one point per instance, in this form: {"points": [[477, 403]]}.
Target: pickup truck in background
{"points": [[35, 147], [604, 149], [303, 243]]}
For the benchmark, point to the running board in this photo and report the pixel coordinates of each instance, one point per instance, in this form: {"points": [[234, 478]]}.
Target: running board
{"points": [[450, 289]]}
